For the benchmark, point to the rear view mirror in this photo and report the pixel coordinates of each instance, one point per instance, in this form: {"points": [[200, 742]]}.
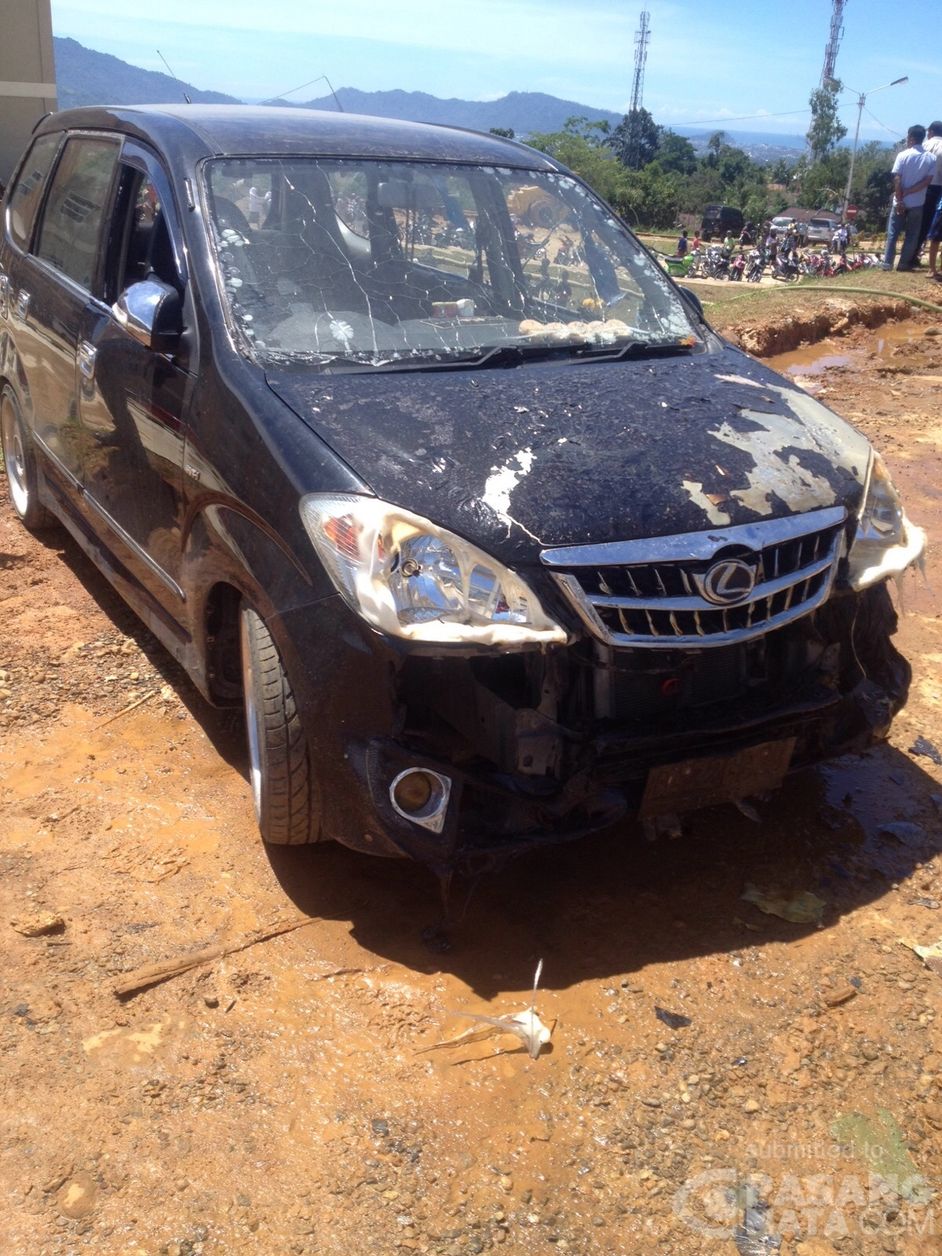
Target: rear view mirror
{"points": [[150, 313], [401, 194]]}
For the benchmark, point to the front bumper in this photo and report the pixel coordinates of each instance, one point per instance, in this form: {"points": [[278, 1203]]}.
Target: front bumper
{"points": [[545, 746]]}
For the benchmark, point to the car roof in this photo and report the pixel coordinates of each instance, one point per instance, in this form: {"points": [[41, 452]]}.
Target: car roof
{"points": [[234, 130]]}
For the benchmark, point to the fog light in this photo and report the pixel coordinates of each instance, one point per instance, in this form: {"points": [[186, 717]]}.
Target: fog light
{"points": [[421, 795], [412, 791]]}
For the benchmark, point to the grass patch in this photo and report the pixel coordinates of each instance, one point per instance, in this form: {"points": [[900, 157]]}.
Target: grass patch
{"points": [[728, 303]]}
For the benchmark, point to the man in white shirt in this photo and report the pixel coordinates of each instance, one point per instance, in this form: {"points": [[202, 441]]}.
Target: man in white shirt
{"points": [[913, 170], [932, 144]]}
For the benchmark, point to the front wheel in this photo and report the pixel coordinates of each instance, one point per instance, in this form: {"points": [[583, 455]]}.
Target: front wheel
{"points": [[279, 758], [19, 460]]}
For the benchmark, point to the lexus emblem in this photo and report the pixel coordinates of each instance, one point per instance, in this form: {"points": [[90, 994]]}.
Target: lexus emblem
{"points": [[727, 582]]}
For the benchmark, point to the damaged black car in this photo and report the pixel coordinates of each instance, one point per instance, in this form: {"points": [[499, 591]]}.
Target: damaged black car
{"points": [[397, 435]]}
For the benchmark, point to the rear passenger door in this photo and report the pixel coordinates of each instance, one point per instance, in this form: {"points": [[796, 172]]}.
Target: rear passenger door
{"points": [[48, 295]]}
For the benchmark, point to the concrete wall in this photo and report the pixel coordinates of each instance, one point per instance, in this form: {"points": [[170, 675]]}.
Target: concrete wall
{"points": [[27, 75]]}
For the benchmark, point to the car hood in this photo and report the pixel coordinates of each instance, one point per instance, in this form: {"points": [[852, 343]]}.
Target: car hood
{"points": [[551, 454]]}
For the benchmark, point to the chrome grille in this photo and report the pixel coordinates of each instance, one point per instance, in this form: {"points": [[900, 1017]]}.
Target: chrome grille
{"points": [[649, 593]]}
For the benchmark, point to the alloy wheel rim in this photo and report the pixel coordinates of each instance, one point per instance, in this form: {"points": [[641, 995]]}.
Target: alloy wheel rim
{"points": [[15, 459]]}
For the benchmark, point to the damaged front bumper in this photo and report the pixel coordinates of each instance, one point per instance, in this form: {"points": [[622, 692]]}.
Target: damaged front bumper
{"points": [[544, 746]]}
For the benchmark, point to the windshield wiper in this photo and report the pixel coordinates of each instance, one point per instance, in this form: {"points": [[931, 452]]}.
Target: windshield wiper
{"points": [[505, 355]]}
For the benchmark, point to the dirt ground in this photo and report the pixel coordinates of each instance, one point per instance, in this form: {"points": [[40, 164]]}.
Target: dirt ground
{"points": [[711, 1065]]}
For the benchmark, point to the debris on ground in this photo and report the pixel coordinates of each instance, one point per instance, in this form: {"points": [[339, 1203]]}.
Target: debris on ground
{"points": [[673, 1020], [153, 974], [525, 1025], [923, 746], [931, 955], [800, 908], [905, 831], [38, 924], [879, 1143]]}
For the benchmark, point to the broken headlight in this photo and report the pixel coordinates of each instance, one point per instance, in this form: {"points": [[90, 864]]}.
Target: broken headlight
{"points": [[886, 542], [409, 578]]}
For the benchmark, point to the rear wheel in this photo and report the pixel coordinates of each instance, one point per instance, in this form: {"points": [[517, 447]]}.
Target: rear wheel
{"points": [[19, 460], [279, 758]]}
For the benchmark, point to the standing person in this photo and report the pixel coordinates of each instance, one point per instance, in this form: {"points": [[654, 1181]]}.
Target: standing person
{"points": [[697, 242], [912, 173], [682, 244], [932, 144], [934, 237]]}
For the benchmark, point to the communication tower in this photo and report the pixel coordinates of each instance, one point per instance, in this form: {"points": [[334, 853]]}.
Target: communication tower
{"points": [[642, 35], [834, 41]]}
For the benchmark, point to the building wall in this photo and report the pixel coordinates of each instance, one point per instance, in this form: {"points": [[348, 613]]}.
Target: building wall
{"points": [[27, 76]]}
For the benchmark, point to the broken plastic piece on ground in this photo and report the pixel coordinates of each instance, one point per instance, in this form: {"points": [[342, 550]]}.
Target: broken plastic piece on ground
{"points": [[879, 1143], [525, 1025], [667, 825], [930, 955], [673, 1020], [923, 746], [747, 809], [802, 908], [751, 1236]]}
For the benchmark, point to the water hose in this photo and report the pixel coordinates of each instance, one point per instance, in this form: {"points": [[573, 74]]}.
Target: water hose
{"points": [[876, 292]]}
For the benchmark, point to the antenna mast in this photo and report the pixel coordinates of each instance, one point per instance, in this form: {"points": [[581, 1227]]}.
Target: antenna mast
{"points": [[642, 35], [632, 156], [834, 41]]}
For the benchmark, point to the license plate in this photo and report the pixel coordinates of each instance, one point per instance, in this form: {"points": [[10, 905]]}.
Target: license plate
{"points": [[703, 782]]}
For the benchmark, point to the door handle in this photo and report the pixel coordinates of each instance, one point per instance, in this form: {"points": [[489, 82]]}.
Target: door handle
{"points": [[22, 303], [86, 359]]}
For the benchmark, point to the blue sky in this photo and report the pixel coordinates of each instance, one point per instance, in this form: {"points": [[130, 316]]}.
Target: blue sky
{"points": [[749, 64]]}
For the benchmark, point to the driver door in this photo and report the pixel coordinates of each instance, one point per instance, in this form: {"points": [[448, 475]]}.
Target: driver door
{"points": [[132, 400]]}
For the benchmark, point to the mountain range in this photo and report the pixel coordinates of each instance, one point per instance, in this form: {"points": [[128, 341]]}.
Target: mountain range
{"points": [[87, 77]]}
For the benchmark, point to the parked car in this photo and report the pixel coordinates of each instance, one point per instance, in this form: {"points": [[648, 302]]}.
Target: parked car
{"points": [[821, 229], [493, 551], [718, 220], [782, 224]]}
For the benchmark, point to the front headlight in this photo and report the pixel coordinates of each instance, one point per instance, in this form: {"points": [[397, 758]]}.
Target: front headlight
{"points": [[409, 578], [886, 542]]}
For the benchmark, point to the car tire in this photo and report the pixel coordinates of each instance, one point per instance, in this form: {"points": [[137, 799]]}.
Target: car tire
{"points": [[279, 760], [19, 461]]}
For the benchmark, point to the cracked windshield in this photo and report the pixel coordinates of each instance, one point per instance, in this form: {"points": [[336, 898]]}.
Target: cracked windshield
{"points": [[374, 263]]}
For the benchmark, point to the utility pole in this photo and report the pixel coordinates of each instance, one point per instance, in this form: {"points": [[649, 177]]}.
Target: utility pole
{"points": [[834, 41], [642, 35]]}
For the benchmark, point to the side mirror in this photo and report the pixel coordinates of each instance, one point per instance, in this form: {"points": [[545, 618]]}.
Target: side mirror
{"points": [[692, 302], [150, 313]]}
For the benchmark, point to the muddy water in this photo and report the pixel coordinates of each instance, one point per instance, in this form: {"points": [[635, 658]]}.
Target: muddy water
{"points": [[281, 1099]]}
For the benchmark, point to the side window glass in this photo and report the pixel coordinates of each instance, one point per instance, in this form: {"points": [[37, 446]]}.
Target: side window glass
{"points": [[71, 225], [149, 252], [26, 193]]}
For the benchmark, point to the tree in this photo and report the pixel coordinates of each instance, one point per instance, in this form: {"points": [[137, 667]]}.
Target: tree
{"points": [[675, 154], [581, 146], [636, 138], [716, 142], [505, 132], [826, 129]]}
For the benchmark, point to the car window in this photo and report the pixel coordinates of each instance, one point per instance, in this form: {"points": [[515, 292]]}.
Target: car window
{"points": [[147, 251], [26, 193], [388, 261], [71, 225]]}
